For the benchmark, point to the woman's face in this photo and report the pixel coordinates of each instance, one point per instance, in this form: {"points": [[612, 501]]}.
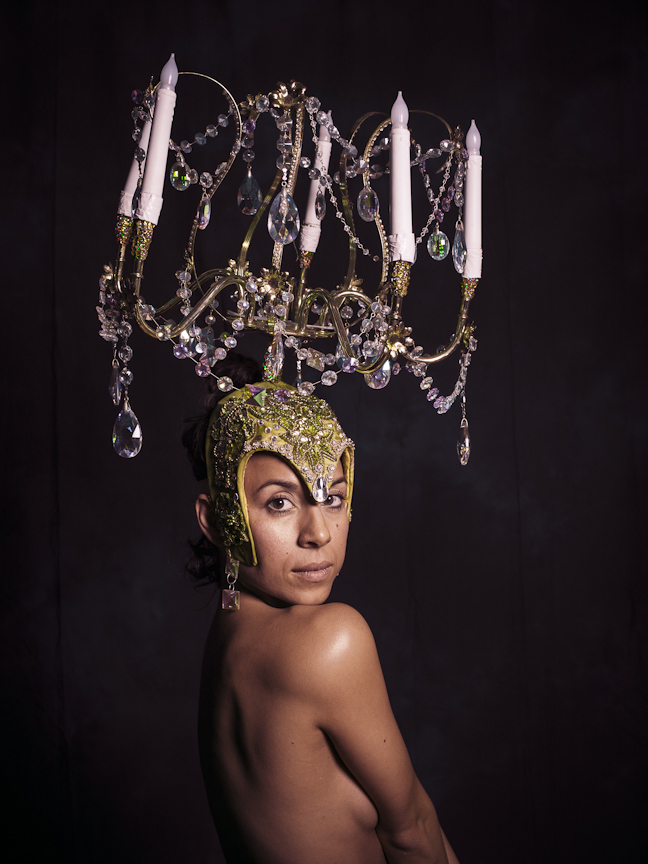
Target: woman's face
{"points": [[300, 544]]}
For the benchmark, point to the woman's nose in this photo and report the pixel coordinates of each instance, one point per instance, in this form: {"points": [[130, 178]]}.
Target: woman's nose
{"points": [[314, 529]]}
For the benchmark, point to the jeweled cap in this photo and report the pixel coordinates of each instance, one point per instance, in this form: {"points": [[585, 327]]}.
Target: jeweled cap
{"points": [[275, 418]]}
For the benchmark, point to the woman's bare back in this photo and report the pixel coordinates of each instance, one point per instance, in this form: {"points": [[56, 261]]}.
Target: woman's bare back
{"points": [[278, 791]]}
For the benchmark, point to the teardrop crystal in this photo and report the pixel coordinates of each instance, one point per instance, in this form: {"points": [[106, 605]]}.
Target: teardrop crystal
{"points": [[204, 213], [463, 443], [249, 196], [274, 359], [179, 177], [320, 490], [127, 433], [380, 378], [459, 250], [368, 205], [438, 245], [115, 386], [283, 219], [320, 205]]}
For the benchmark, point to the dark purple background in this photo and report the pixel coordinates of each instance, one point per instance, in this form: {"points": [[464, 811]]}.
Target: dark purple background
{"points": [[508, 598]]}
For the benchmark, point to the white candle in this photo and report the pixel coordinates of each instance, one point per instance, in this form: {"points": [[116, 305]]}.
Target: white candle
{"points": [[156, 159], [312, 226], [473, 205], [126, 198], [402, 244]]}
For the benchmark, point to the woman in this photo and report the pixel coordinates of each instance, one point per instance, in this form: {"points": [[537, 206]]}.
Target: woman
{"points": [[301, 755]]}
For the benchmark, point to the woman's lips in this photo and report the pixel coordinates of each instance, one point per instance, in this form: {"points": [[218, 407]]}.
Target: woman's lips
{"points": [[315, 572]]}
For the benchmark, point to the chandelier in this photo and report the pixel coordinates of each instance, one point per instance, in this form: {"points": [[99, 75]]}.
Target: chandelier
{"points": [[366, 330]]}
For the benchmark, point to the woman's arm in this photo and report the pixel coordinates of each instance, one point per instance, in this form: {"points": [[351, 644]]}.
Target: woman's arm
{"points": [[352, 708]]}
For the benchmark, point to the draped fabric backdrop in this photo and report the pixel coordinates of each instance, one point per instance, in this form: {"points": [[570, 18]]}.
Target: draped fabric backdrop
{"points": [[508, 598]]}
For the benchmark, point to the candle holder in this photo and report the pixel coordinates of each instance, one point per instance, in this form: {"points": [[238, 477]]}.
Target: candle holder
{"points": [[365, 328]]}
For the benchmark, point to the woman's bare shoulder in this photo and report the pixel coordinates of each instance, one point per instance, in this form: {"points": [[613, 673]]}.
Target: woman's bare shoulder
{"points": [[320, 641]]}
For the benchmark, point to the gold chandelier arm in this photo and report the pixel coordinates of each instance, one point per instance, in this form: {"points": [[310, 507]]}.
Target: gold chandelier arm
{"points": [[226, 279], [468, 290]]}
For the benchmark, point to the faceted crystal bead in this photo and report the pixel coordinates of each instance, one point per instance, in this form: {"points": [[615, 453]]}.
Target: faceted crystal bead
{"points": [[283, 219], [463, 443], [320, 490], [329, 378], [368, 205], [203, 368], [225, 384], [312, 104], [200, 139], [459, 250], [249, 196], [320, 205], [432, 394], [305, 388], [262, 104], [426, 383], [211, 130], [126, 377], [127, 433], [204, 213], [125, 353], [380, 378], [178, 176], [248, 127], [438, 245], [180, 351], [349, 364], [206, 180], [115, 387], [371, 349], [315, 359], [192, 176]]}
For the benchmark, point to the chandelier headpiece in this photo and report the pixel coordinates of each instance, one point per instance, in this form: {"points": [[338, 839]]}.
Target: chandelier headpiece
{"points": [[366, 328]]}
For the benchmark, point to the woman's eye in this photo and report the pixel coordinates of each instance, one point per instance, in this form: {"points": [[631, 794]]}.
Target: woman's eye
{"points": [[279, 504], [334, 501]]}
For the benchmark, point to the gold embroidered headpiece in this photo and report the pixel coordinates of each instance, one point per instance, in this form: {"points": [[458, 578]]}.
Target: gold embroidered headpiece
{"points": [[275, 418]]}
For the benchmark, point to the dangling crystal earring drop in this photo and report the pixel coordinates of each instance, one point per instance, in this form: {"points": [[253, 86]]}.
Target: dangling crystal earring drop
{"points": [[230, 597]]}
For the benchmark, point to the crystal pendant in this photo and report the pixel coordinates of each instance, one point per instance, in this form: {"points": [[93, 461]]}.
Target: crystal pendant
{"points": [[380, 378], [459, 250], [115, 387], [230, 599], [274, 359], [438, 245], [249, 196], [283, 219], [320, 490], [204, 213], [463, 442], [368, 204], [179, 177], [127, 433], [320, 205]]}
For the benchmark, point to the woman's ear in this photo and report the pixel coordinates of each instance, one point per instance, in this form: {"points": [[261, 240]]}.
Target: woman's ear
{"points": [[207, 520]]}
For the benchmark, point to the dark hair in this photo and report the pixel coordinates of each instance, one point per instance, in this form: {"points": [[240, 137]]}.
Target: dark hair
{"points": [[204, 564]]}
